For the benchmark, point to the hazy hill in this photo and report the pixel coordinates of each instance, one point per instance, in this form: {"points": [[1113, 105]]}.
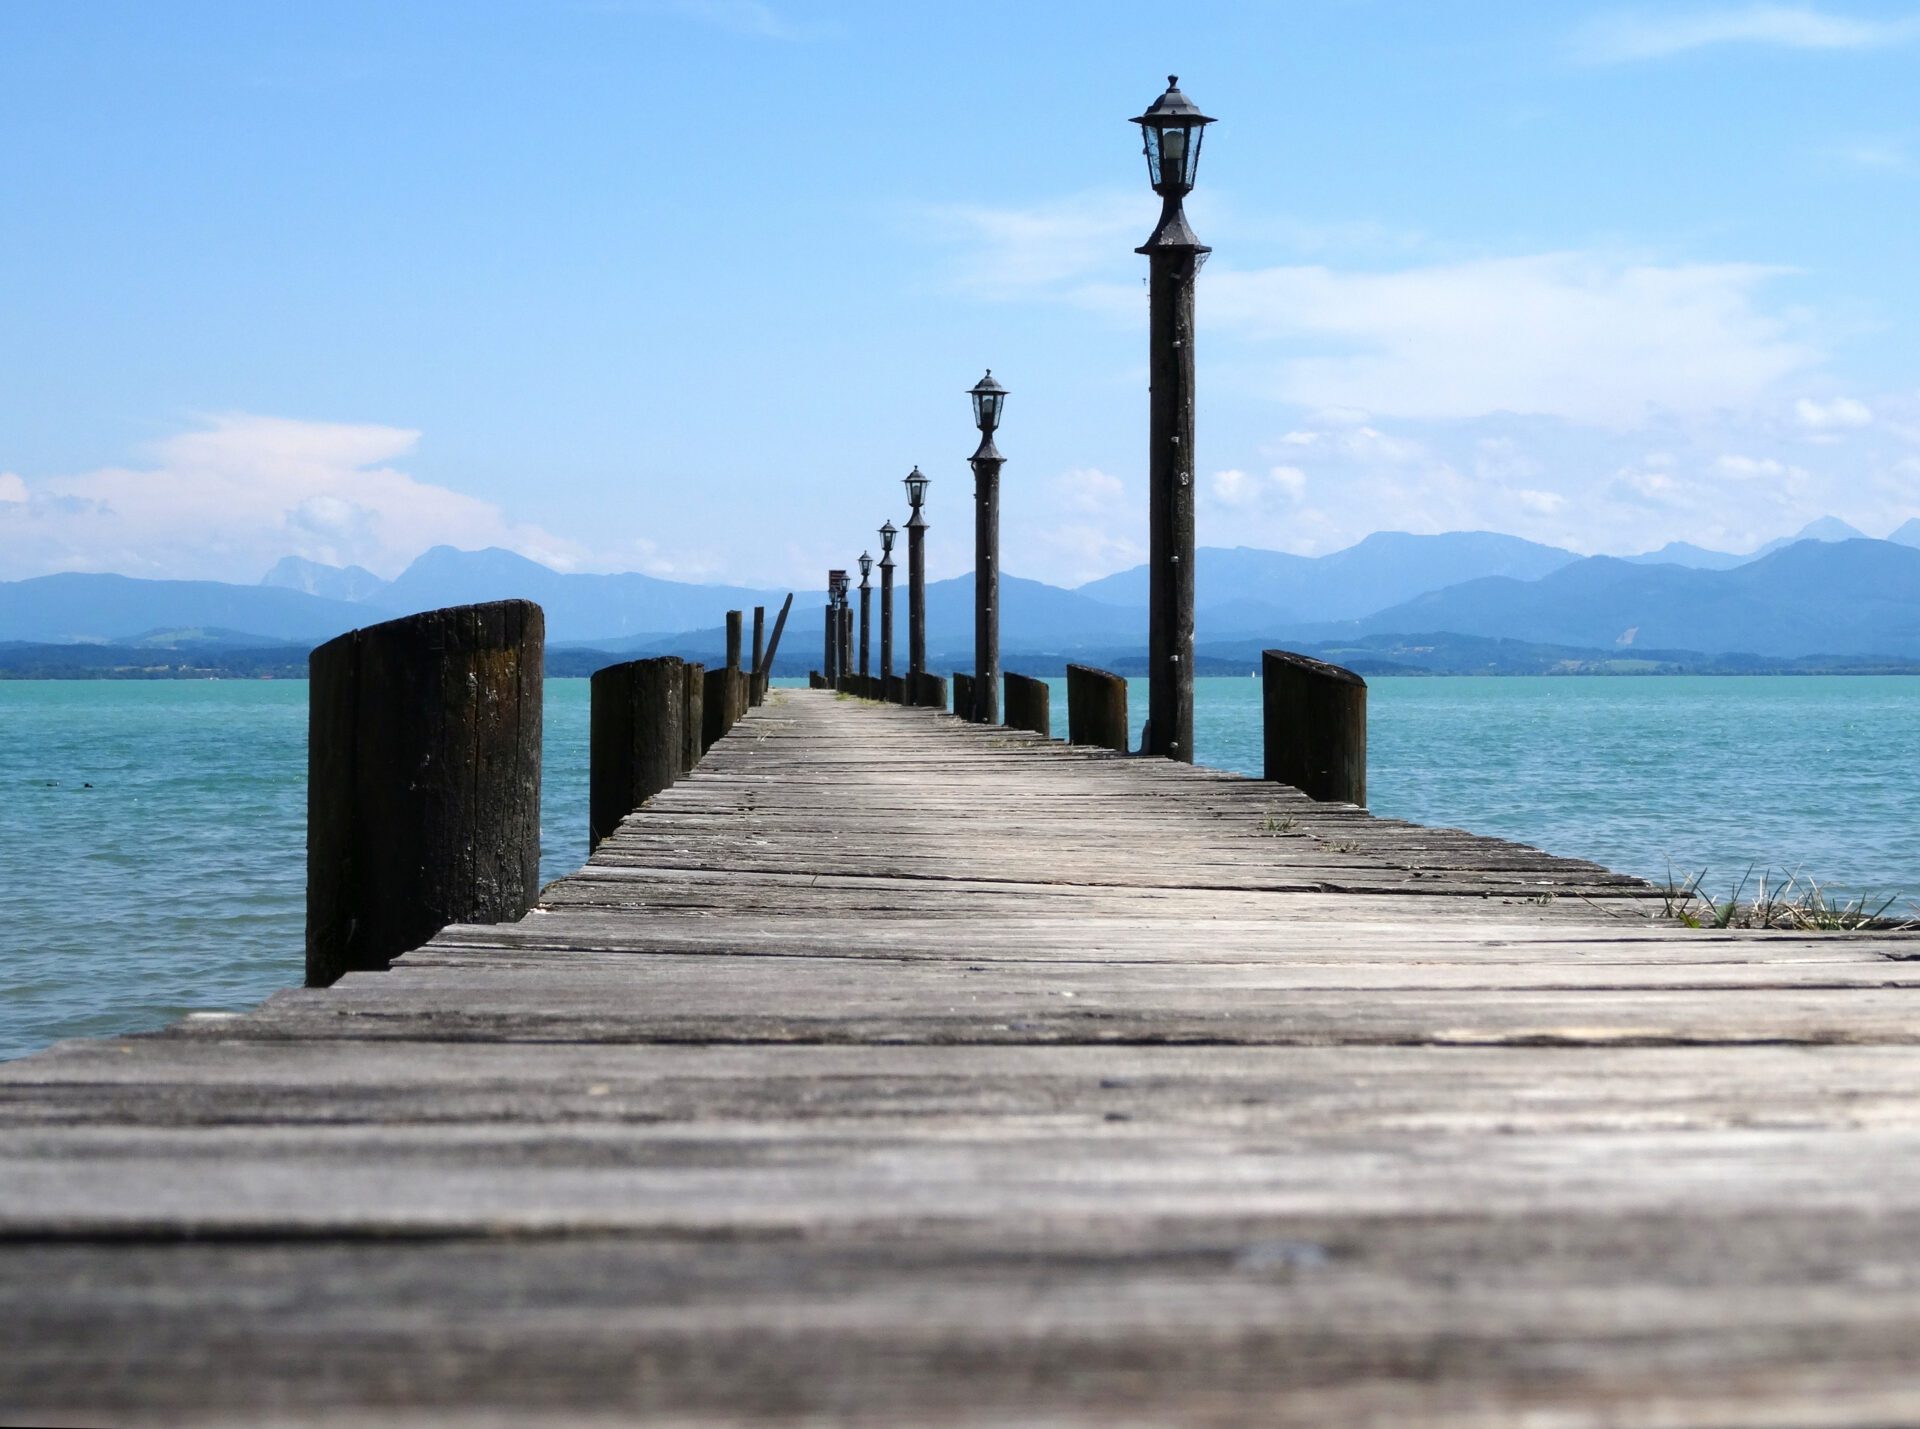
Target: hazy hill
{"points": [[86, 607], [334, 582], [1264, 587], [1814, 597], [578, 607], [1685, 553]]}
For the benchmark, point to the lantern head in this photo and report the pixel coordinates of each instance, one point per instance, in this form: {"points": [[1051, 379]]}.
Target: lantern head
{"points": [[887, 533], [989, 400], [866, 567], [1171, 129], [917, 488]]}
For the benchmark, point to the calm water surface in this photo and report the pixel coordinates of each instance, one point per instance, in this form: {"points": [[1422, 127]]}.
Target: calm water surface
{"points": [[176, 881]]}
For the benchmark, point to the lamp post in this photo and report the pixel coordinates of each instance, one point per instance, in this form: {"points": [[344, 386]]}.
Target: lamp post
{"points": [[887, 533], [835, 580], [1171, 131], [916, 576], [989, 400], [866, 602], [841, 663]]}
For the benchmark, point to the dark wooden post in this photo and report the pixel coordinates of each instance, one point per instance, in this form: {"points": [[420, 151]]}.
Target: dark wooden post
{"points": [[423, 781], [897, 689], [816, 680], [1029, 705], [1096, 708], [930, 691], [1316, 727], [963, 694], [636, 743], [693, 723], [763, 668], [830, 668], [714, 716], [757, 685], [734, 622], [846, 645]]}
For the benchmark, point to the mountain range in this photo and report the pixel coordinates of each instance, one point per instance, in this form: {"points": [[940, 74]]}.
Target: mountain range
{"points": [[1827, 591]]}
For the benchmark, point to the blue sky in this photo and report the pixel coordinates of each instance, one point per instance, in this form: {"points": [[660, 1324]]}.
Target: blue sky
{"points": [[687, 285]]}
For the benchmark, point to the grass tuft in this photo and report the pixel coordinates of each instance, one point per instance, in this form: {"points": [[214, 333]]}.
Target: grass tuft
{"points": [[1787, 903]]}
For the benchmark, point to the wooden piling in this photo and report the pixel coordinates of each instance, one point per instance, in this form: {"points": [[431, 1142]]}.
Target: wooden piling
{"points": [[930, 691], [763, 665], [816, 680], [423, 781], [1096, 708], [636, 744], [693, 721], [756, 681], [896, 689], [963, 694], [1029, 704], [733, 640], [1316, 727]]}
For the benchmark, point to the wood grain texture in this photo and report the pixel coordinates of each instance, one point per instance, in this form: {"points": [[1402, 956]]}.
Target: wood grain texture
{"points": [[896, 1069]]}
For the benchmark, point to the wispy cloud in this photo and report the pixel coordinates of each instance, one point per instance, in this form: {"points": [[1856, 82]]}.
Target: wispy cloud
{"points": [[1650, 34], [228, 499], [1591, 337]]}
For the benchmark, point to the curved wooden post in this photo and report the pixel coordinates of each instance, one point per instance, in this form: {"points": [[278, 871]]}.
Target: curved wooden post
{"points": [[1029, 704], [1316, 727], [423, 781], [1096, 708], [929, 691], [756, 680], [636, 744], [963, 694]]}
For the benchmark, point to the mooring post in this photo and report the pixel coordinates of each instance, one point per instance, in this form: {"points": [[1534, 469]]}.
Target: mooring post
{"points": [[1096, 708], [757, 681], [963, 694], [1316, 727], [693, 722], [896, 689], [930, 691], [635, 742], [737, 690], [423, 781], [1029, 705]]}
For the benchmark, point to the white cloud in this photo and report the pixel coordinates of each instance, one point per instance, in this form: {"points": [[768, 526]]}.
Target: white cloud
{"points": [[1840, 413], [1011, 252], [1239, 489], [1584, 336], [1643, 35], [227, 500], [13, 488], [1090, 489], [1748, 468]]}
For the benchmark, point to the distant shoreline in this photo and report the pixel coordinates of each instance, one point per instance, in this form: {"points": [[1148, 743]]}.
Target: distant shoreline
{"points": [[1431, 656]]}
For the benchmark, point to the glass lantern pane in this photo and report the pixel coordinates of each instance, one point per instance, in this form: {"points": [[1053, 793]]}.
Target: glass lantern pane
{"points": [[1152, 136], [1173, 155], [1196, 134]]}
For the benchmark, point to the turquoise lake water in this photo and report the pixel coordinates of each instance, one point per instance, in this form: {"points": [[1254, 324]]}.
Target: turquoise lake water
{"points": [[176, 881]]}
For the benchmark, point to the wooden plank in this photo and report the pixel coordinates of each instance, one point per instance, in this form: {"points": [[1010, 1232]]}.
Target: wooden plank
{"points": [[894, 1068]]}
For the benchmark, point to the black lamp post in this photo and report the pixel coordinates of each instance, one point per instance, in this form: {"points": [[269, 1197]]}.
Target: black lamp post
{"points": [[887, 533], [842, 663], [916, 577], [1171, 129], [989, 400], [830, 660], [866, 602]]}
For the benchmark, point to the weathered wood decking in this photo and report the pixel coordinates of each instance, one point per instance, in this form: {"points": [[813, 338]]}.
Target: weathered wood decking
{"points": [[898, 1068]]}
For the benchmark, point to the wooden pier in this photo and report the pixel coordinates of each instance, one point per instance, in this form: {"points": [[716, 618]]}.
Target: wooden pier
{"points": [[895, 1068]]}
